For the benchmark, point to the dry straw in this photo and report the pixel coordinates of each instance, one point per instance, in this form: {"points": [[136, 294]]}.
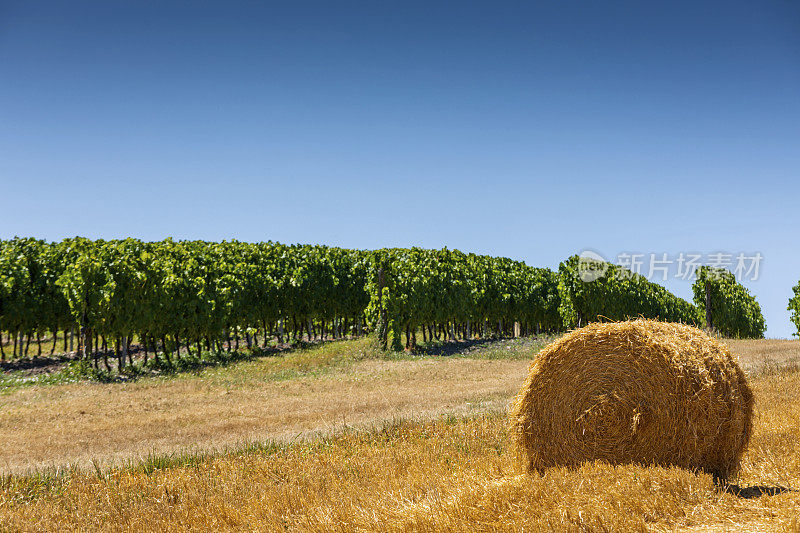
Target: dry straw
{"points": [[640, 391]]}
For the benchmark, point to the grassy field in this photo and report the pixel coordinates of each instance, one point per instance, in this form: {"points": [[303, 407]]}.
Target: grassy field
{"points": [[335, 438]]}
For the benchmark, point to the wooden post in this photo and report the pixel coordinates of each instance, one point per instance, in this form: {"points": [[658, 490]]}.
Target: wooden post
{"points": [[81, 348]]}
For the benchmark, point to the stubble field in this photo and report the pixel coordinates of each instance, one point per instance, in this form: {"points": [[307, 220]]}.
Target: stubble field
{"points": [[333, 438]]}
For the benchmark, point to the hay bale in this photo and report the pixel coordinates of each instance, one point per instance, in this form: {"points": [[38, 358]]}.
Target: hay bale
{"points": [[640, 391]]}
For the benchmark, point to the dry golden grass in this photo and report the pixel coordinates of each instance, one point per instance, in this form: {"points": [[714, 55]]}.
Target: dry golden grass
{"points": [[756, 356], [82, 423], [307, 393], [452, 474]]}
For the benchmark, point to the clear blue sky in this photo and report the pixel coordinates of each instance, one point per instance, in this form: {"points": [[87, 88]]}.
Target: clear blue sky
{"points": [[528, 130]]}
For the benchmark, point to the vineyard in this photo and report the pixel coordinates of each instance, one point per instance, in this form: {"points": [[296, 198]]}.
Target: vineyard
{"points": [[721, 303], [185, 297], [617, 295], [727, 306], [178, 299]]}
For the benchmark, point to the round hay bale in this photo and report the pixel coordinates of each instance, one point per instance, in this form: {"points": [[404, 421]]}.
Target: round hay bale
{"points": [[641, 391]]}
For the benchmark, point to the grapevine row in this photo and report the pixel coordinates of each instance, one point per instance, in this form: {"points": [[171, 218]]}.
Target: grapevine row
{"points": [[617, 294], [190, 296], [731, 311], [184, 297]]}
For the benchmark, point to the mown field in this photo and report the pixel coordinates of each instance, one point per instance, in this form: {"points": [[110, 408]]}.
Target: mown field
{"points": [[337, 438]]}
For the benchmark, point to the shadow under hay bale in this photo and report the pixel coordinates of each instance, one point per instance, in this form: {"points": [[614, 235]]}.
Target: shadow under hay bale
{"points": [[640, 391], [755, 491]]}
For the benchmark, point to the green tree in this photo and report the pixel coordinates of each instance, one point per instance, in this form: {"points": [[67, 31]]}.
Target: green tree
{"points": [[794, 307]]}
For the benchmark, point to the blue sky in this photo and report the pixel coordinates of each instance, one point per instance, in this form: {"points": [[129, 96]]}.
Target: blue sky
{"points": [[531, 130]]}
